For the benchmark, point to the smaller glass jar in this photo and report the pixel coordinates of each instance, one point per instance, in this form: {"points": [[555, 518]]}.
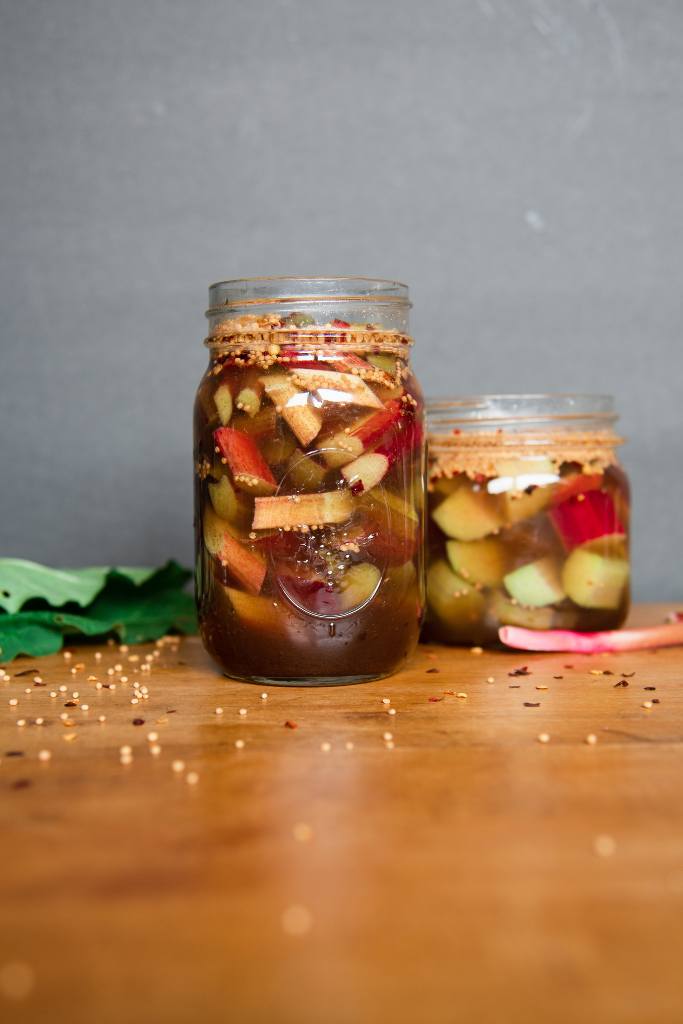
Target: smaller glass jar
{"points": [[528, 516]]}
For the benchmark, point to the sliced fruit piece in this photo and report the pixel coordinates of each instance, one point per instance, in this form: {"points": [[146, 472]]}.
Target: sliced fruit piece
{"points": [[389, 528], [468, 515], [511, 614], [245, 565], [518, 505], [358, 584], [257, 613], [455, 603], [329, 386], [585, 517], [593, 580], [293, 405], [264, 422], [224, 499], [536, 584], [223, 400], [364, 434], [383, 361], [519, 474], [249, 469], [365, 472], [478, 561], [294, 510], [304, 473], [575, 483], [249, 401]]}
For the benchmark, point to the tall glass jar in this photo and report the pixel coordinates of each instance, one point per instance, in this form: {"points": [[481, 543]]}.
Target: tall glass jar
{"points": [[528, 516], [309, 481]]}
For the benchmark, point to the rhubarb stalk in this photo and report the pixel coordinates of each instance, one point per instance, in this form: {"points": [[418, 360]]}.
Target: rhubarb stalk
{"points": [[592, 643]]}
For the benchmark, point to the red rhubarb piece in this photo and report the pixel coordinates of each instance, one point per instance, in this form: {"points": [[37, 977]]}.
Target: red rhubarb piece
{"points": [[372, 430], [576, 483], [249, 469], [242, 563], [585, 517]]}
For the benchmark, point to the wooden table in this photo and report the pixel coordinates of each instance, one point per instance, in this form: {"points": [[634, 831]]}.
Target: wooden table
{"points": [[468, 873]]}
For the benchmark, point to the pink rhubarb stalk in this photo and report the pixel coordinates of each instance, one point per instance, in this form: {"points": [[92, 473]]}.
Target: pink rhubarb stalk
{"points": [[592, 643]]}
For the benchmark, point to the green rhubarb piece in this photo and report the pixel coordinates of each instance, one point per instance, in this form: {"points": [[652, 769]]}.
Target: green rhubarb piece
{"points": [[224, 499], [594, 580], [304, 473], [512, 614], [278, 449], [518, 505], [223, 400], [383, 361], [536, 584], [358, 585], [478, 561], [249, 401], [456, 604], [468, 515]]}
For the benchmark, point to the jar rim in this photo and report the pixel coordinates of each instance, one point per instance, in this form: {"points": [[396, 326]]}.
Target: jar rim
{"points": [[517, 410], [239, 292]]}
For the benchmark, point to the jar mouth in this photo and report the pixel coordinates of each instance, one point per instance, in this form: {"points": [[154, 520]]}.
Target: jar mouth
{"points": [[520, 412], [247, 292]]}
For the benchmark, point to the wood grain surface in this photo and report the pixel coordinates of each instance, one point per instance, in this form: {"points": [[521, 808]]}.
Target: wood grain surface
{"points": [[469, 872]]}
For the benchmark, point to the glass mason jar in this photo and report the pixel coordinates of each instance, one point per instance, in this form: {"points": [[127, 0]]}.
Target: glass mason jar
{"points": [[309, 481], [528, 516]]}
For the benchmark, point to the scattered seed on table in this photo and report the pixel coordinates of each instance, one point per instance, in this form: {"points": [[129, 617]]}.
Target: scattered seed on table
{"points": [[154, 749], [543, 737], [44, 755], [326, 747], [53, 694], [192, 778], [647, 704], [532, 704], [349, 745], [461, 696], [289, 724], [391, 711], [239, 744], [21, 722], [388, 736], [490, 679], [264, 696], [152, 737], [243, 712], [558, 677], [591, 739], [476, 650], [302, 832], [218, 711], [13, 702], [541, 687], [126, 759], [621, 683], [39, 721], [386, 700], [102, 718], [604, 846], [63, 689], [178, 766], [85, 707]]}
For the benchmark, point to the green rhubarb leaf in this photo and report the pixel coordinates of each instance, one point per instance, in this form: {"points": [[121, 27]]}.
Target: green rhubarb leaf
{"points": [[22, 581], [134, 605]]}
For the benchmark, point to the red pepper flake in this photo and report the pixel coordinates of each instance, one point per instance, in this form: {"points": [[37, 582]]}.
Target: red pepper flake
{"points": [[25, 672], [430, 671], [567, 666], [14, 753], [627, 675], [649, 687], [138, 721], [435, 700], [607, 672], [622, 682], [514, 686], [558, 677], [71, 704], [40, 684], [532, 704], [21, 784], [523, 671], [655, 700], [449, 693], [171, 711], [289, 724]]}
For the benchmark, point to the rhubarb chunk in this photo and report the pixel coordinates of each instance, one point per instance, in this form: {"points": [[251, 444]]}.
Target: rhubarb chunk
{"points": [[576, 483], [511, 614], [223, 401], [518, 505], [249, 401], [249, 469], [593, 580], [293, 405], [366, 472], [455, 603], [536, 584], [295, 510], [478, 561], [304, 473], [243, 564], [468, 514], [331, 387], [585, 517], [358, 585]]}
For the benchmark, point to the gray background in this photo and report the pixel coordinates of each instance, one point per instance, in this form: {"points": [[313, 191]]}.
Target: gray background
{"points": [[518, 163]]}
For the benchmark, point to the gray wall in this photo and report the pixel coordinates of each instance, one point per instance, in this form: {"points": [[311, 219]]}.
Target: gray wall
{"points": [[519, 163]]}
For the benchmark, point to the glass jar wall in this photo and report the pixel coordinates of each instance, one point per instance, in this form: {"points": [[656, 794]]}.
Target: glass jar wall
{"points": [[528, 516], [309, 481]]}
